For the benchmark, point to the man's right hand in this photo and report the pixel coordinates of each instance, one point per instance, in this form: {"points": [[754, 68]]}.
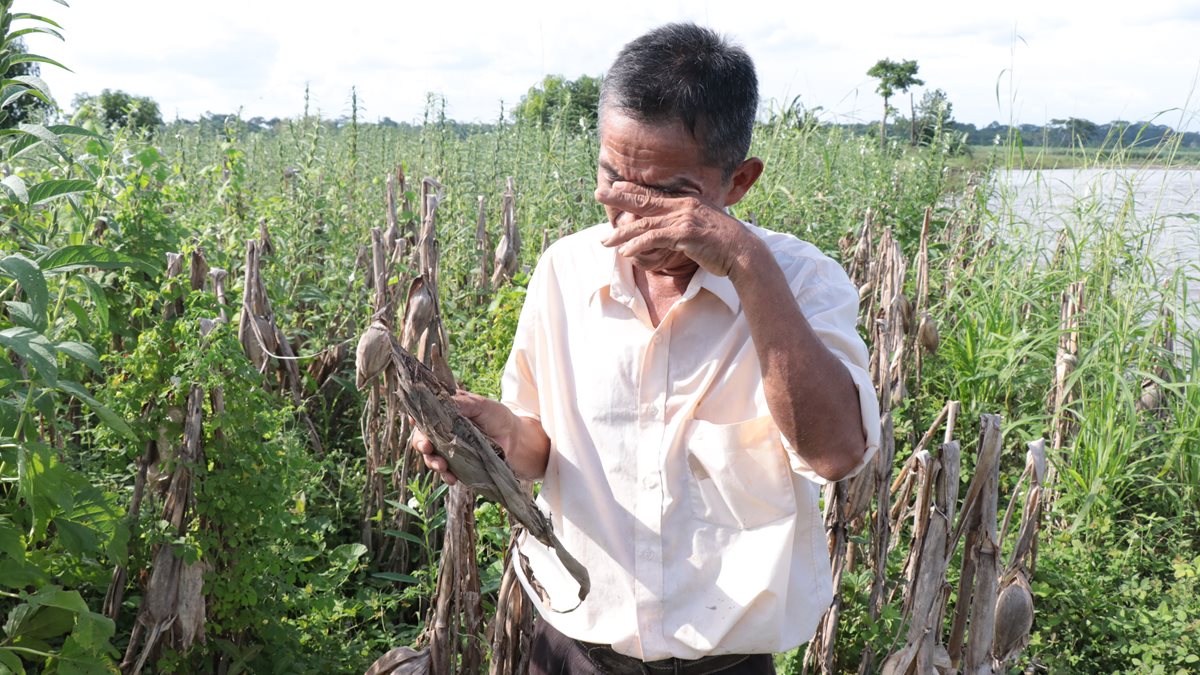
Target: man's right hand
{"points": [[492, 417]]}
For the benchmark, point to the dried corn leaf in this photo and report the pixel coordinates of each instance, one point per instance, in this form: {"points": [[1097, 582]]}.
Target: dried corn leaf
{"points": [[401, 661], [472, 456]]}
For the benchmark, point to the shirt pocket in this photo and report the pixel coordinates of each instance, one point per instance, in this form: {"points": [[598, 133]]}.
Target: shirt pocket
{"points": [[738, 474]]}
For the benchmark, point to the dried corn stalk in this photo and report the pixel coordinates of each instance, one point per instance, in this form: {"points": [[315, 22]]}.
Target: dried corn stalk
{"points": [[925, 570], [508, 249], [1014, 606], [887, 335], [173, 606], [483, 249], [385, 431], [454, 631], [978, 582], [263, 341], [847, 506], [1062, 394], [511, 629]]}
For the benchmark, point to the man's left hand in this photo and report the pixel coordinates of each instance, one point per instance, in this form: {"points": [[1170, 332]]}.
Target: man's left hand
{"points": [[660, 221]]}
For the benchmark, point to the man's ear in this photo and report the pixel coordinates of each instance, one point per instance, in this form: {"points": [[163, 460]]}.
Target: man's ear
{"points": [[743, 179]]}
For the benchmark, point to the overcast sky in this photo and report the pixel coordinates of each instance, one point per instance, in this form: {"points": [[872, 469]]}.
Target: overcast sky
{"points": [[1021, 61]]}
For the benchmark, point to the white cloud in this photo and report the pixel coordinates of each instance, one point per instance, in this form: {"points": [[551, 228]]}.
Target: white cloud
{"points": [[1064, 58]]}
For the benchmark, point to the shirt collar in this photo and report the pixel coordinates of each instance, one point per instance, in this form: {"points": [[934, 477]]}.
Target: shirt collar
{"points": [[615, 276]]}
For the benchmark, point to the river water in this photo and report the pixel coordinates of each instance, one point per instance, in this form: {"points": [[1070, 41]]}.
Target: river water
{"points": [[1162, 204]]}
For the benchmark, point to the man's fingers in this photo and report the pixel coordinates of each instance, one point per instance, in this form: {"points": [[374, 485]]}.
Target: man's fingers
{"points": [[632, 198], [648, 241], [432, 461], [468, 403], [633, 228]]}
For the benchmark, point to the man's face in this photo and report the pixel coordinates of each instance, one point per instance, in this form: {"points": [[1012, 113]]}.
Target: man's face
{"points": [[661, 157]]}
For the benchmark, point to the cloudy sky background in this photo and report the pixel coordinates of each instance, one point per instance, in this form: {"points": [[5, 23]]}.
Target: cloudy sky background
{"points": [[1018, 61]]}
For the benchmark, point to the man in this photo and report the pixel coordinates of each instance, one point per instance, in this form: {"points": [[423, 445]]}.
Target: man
{"points": [[680, 382]]}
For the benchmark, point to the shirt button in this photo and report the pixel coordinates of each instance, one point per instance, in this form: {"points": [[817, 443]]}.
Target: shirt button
{"points": [[658, 339], [650, 483], [651, 411]]}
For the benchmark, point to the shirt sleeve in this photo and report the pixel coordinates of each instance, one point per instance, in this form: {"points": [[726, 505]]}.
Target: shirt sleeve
{"points": [[829, 301], [518, 384]]}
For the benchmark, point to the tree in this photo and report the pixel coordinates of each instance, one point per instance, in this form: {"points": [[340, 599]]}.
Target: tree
{"points": [[573, 101], [119, 109], [1077, 130], [934, 113], [893, 76]]}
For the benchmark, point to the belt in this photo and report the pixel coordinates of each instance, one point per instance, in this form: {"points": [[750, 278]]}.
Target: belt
{"points": [[610, 662]]}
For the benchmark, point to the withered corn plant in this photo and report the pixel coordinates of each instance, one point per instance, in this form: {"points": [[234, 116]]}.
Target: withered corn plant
{"points": [[417, 383], [918, 507]]}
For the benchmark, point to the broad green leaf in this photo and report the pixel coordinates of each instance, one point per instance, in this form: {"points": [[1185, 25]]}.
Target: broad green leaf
{"points": [[148, 157], [394, 576], [53, 596], [82, 318], [87, 650], [37, 622], [11, 543], [407, 536], [43, 135], [34, 58], [106, 414], [75, 130], [405, 508], [16, 187], [347, 555], [35, 29], [32, 281], [36, 484], [17, 575], [50, 189], [99, 301], [13, 91], [10, 663], [10, 414], [43, 402], [26, 141], [35, 349], [9, 372], [81, 256], [22, 314], [80, 352], [34, 82], [93, 631], [17, 16], [79, 539]]}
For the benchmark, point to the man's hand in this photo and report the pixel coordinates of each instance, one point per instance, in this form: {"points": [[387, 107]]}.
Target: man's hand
{"points": [[493, 418], [659, 221]]}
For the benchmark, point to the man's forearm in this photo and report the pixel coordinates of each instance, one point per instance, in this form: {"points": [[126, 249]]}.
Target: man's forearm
{"points": [[809, 392], [529, 451]]}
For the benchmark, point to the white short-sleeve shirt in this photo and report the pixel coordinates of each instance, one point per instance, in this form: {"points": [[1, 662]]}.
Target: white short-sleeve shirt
{"points": [[667, 478]]}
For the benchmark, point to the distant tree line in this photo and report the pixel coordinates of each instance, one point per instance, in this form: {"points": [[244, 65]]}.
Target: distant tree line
{"points": [[572, 104]]}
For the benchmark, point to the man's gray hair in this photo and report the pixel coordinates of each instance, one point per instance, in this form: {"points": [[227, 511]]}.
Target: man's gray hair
{"points": [[682, 72]]}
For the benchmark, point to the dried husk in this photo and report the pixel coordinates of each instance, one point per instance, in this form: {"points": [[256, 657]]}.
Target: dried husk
{"points": [[189, 623], [1014, 617], [401, 661], [373, 354], [927, 333]]}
